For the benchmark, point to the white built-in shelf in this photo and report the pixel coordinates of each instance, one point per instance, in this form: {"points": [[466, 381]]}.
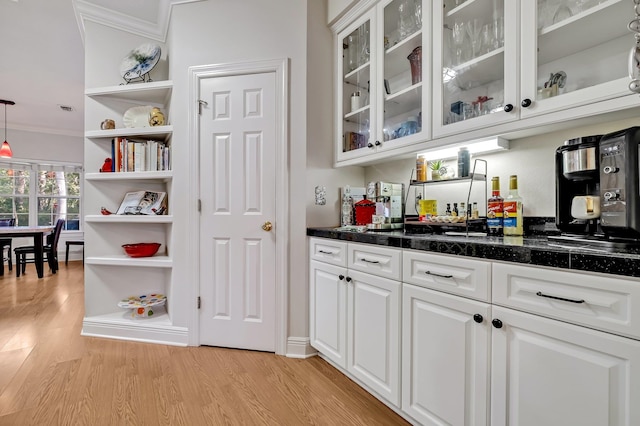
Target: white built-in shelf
{"points": [[395, 58], [155, 132], [128, 218], [359, 77], [164, 176], [124, 260], [123, 317], [403, 101], [154, 92]]}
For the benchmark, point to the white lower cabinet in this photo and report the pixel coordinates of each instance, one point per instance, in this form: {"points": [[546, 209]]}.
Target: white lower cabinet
{"points": [[478, 362], [355, 322], [445, 357], [548, 372]]}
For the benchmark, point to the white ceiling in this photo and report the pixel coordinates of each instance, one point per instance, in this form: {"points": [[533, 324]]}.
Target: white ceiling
{"points": [[42, 56]]}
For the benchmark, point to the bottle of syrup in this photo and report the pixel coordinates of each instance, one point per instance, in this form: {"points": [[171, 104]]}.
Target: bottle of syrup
{"points": [[512, 218], [495, 209]]}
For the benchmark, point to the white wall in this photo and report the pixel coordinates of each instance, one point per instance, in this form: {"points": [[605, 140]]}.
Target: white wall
{"points": [[531, 158], [227, 31], [320, 151], [46, 147]]}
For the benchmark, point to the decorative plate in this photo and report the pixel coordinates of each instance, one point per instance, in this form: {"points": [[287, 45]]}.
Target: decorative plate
{"points": [[143, 306], [137, 116], [139, 62]]}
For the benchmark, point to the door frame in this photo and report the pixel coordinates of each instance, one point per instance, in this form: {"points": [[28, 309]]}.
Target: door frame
{"points": [[196, 74]]}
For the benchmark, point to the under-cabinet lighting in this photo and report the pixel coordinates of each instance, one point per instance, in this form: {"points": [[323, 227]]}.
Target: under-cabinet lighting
{"points": [[475, 147]]}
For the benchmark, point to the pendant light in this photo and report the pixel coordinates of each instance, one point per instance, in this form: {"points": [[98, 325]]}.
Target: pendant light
{"points": [[5, 149]]}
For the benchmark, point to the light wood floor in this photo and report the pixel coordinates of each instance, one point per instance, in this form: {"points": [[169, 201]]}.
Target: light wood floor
{"points": [[50, 375]]}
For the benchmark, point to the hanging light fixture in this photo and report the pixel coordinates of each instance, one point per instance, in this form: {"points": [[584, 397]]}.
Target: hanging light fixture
{"points": [[5, 149]]}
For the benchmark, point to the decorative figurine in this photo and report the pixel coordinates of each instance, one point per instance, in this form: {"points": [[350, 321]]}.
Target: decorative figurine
{"points": [[108, 124], [107, 166], [156, 117]]}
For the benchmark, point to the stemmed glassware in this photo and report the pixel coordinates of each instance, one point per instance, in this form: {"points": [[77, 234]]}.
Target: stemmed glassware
{"points": [[458, 38], [474, 27]]}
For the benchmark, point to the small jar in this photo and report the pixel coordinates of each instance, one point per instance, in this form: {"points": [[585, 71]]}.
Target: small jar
{"points": [[355, 101]]}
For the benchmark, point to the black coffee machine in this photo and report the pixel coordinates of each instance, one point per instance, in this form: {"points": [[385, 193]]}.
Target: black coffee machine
{"points": [[597, 188]]}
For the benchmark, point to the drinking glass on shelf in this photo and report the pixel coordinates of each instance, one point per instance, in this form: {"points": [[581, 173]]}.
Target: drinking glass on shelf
{"points": [[458, 37], [473, 29], [487, 38], [498, 32], [352, 52], [406, 18], [563, 12], [417, 7]]}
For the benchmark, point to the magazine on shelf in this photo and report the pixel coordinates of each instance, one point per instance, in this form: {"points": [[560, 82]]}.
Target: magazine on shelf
{"points": [[143, 202]]}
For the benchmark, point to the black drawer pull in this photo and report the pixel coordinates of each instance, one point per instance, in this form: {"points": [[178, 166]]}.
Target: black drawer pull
{"points": [[325, 252], [369, 261], [541, 294], [438, 275]]}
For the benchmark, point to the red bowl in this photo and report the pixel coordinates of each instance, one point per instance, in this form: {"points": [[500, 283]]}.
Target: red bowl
{"points": [[141, 249]]}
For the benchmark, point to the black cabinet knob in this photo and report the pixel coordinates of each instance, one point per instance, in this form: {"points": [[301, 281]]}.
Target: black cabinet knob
{"points": [[378, 143], [478, 318], [508, 108], [348, 279], [526, 103], [496, 323], [341, 277], [369, 145]]}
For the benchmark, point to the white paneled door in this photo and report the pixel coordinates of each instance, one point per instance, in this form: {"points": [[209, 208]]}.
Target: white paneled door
{"points": [[237, 191]]}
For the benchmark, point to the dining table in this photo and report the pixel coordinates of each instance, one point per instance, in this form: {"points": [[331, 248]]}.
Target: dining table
{"points": [[37, 232]]}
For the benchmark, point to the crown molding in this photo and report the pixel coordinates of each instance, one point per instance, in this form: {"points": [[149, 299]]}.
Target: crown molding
{"points": [[86, 11]]}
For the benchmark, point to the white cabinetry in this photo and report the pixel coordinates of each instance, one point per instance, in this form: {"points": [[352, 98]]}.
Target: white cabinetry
{"points": [[110, 275], [355, 316], [384, 77], [445, 339], [445, 357], [546, 371]]}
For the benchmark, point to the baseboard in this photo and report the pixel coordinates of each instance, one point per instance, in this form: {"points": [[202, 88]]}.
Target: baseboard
{"points": [[106, 328], [300, 347]]}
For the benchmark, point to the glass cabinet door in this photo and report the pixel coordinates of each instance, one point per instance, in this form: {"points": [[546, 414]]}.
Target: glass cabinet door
{"points": [[574, 52], [403, 74], [474, 64], [357, 73]]}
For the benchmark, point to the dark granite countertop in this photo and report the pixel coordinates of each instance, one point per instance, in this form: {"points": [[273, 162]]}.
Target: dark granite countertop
{"points": [[534, 250]]}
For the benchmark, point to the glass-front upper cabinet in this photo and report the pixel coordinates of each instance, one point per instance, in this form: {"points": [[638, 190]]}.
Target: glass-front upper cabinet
{"points": [[356, 115], [404, 87], [474, 64], [574, 52]]}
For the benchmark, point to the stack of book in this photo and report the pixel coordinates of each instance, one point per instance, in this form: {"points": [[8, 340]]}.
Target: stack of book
{"points": [[130, 155]]}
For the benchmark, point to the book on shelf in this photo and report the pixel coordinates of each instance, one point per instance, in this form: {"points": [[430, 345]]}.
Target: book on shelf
{"points": [[143, 202], [132, 155]]}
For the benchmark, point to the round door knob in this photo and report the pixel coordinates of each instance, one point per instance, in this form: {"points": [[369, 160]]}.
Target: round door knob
{"points": [[508, 108], [348, 279], [341, 277], [478, 318], [369, 145], [496, 323], [526, 103], [378, 143], [267, 226]]}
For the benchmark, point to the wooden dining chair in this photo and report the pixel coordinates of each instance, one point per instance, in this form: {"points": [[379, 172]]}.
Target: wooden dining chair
{"points": [[5, 244], [50, 251]]}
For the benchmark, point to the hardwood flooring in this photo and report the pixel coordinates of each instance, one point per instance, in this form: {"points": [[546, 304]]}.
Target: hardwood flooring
{"points": [[50, 375]]}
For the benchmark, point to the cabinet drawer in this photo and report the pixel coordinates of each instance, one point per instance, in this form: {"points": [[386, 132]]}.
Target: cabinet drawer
{"points": [[376, 260], [602, 302], [328, 251], [453, 274]]}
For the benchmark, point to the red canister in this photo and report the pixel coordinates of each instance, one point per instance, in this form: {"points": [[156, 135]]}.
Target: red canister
{"points": [[365, 209]]}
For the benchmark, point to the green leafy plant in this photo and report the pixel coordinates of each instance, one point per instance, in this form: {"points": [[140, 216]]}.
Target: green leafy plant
{"points": [[436, 164]]}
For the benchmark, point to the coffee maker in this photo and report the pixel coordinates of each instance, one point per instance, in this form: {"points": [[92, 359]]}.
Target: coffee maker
{"points": [[389, 199], [597, 187]]}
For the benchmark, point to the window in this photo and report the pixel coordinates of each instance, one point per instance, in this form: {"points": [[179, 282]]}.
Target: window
{"points": [[39, 194]]}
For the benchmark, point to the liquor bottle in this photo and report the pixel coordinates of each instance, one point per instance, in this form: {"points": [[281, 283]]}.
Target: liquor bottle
{"points": [[513, 209], [448, 211], [495, 208], [455, 210]]}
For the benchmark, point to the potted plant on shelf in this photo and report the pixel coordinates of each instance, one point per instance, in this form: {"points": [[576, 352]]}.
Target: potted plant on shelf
{"points": [[436, 166]]}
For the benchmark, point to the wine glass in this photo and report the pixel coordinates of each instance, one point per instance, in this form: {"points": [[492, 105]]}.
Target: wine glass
{"points": [[458, 38], [474, 27]]}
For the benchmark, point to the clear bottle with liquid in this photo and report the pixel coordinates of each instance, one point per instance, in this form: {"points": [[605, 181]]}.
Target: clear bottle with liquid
{"points": [[513, 209]]}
